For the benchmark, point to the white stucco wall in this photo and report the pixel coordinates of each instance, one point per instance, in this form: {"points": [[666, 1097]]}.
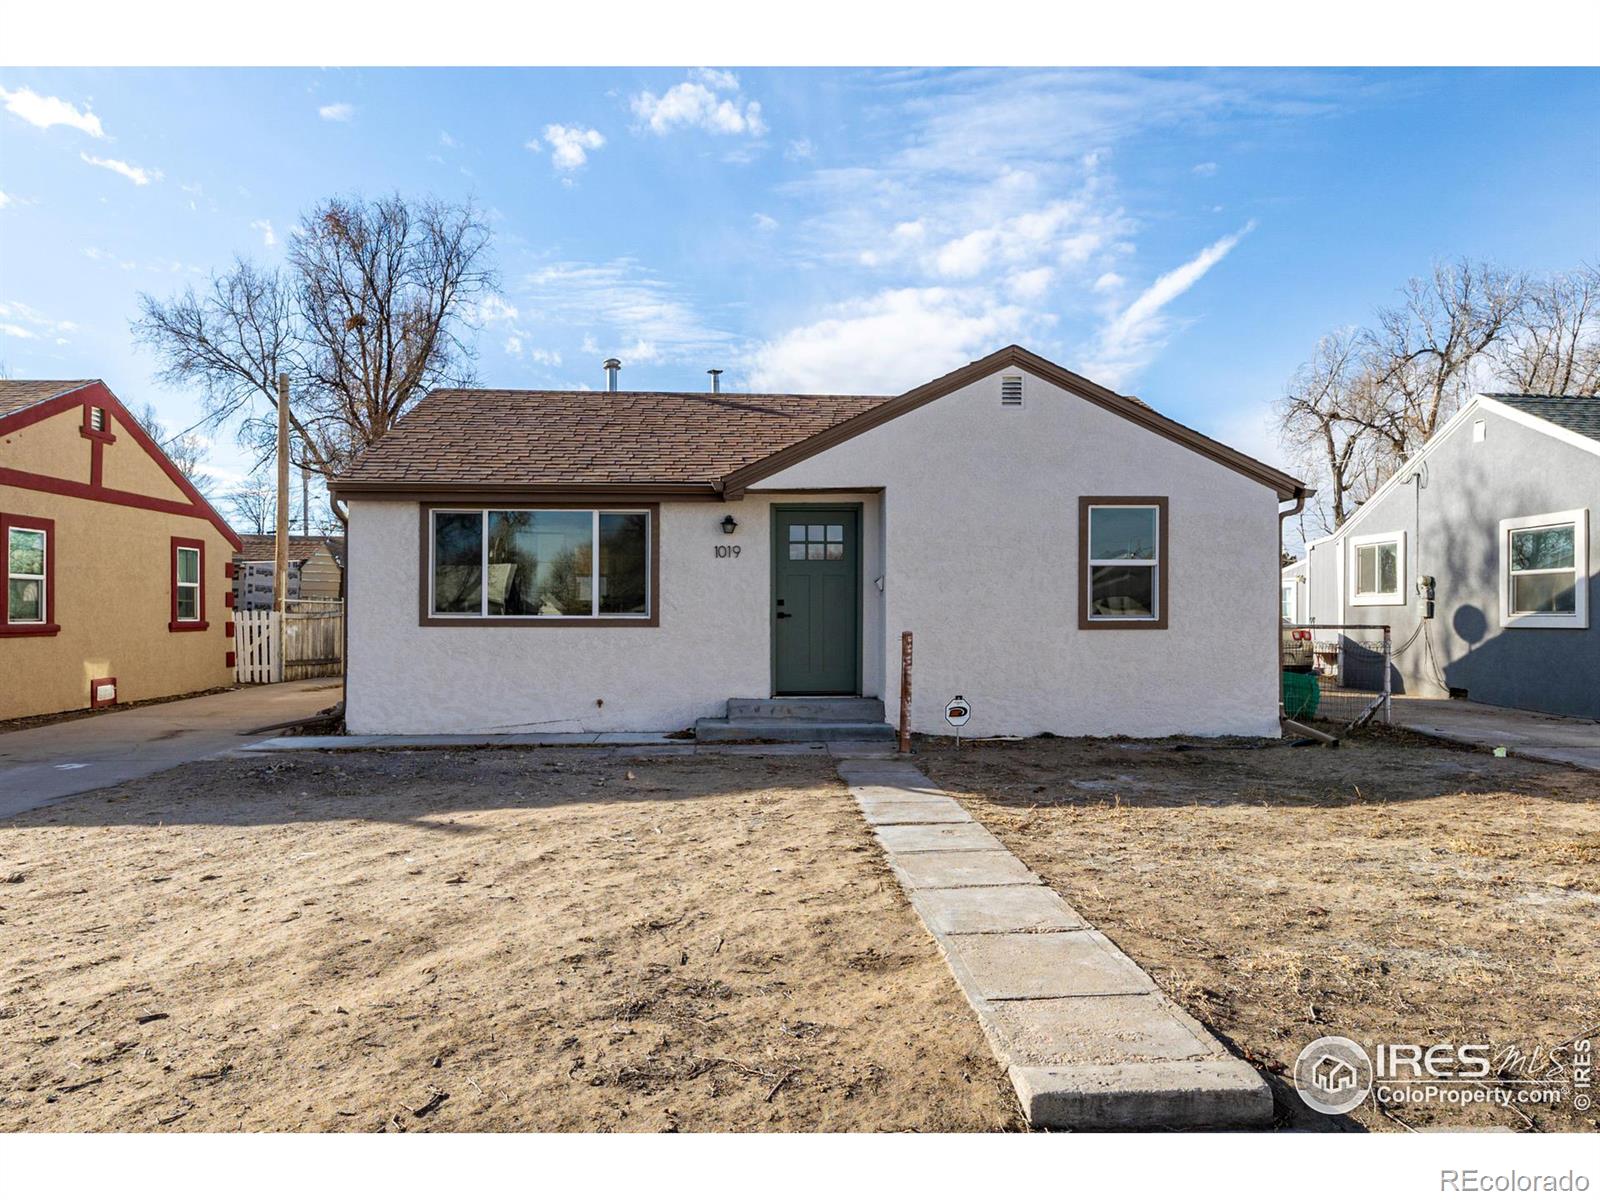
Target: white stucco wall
{"points": [[980, 513], [713, 641], [975, 533]]}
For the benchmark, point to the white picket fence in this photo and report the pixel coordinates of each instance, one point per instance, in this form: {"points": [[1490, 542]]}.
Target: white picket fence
{"points": [[306, 642]]}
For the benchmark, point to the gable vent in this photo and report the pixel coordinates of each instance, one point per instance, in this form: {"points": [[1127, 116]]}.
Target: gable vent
{"points": [[1011, 389]]}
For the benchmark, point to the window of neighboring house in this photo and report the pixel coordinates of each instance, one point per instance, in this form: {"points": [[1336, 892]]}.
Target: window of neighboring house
{"points": [[1121, 562], [188, 585], [1378, 568], [1544, 570], [30, 601], [1286, 604], [540, 565]]}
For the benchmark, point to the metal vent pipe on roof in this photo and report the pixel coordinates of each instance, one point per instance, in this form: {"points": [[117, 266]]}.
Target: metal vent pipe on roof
{"points": [[716, 378], [613, 365]]}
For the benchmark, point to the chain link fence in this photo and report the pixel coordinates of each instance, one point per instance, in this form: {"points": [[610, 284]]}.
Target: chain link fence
{"points": [[1339, 674]]}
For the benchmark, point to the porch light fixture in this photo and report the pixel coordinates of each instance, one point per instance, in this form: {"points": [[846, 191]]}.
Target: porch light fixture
{"points": [[729, 524]]}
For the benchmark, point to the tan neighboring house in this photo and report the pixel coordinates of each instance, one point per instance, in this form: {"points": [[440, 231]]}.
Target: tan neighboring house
{"points": [[118, 572], [316, 568]]}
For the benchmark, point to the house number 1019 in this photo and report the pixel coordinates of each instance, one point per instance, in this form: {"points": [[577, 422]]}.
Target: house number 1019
{"points": [[726, 551]]}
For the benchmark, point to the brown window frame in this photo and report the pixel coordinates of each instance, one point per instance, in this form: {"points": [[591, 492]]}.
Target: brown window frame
{"points": [[426, 616], [1163, 568], [174, 625], [47, 627]]}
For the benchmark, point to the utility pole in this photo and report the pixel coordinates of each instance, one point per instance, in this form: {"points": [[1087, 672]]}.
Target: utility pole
{"points": [[280, 566], [305, 498]]}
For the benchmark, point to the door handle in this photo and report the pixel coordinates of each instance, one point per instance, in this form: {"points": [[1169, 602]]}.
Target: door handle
{"points": [[783, 616]]}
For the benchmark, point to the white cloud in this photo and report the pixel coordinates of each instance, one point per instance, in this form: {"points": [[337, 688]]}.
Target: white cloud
{"points": [[912, 231], [445, 140], [764, 223], [569, 145], [886, 342], [337, 112], [494, 309], [1131, 336], [45, 111], [5, 200], [1031, 285], [1109, 282], [139, 175], [22, 321], [1205, 168], [513, 345], [545, 358], [641, 317], [698, 104], [799, 150], [268, 236]]}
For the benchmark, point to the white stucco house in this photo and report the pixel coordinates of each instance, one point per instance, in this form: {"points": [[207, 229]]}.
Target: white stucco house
{"points": [[1067, 559]]}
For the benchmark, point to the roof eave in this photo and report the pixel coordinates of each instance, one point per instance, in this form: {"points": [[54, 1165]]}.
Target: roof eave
{"points": [[1286, 486]]}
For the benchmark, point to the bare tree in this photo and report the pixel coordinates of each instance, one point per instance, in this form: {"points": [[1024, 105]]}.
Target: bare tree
{"points": [[366, 317], [186, 448], [1324, 420], [253, 505], [1553, 348], [1425, 353]]}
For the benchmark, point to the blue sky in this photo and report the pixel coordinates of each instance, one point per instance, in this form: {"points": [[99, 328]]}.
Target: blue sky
{"points": [[1185, 236]]}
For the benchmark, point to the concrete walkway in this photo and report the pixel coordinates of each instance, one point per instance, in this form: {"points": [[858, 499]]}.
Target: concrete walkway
{"points": [[1569, 741], [1088, 1039], [50, 762]]}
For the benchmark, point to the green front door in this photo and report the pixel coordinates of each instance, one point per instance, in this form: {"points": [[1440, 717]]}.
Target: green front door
{"points": [[816, 600]]}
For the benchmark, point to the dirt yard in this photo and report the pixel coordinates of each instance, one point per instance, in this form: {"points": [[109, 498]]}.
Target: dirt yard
{"points": [[496, 940], [1390, 890]]}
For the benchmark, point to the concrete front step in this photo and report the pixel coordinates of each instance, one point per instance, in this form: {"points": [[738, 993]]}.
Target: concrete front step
{"points": [[716, 729], [807, 708]]}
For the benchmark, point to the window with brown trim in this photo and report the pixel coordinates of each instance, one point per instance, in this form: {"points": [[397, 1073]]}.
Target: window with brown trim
{"points": [[1122, 562], [30, 600], [188, 585], [554, 564]]}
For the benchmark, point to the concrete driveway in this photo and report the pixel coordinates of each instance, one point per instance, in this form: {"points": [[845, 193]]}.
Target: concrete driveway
{"points": [[1571, 741], [41, 765]]}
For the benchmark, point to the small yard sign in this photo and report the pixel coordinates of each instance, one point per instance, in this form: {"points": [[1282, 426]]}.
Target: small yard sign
{"points": [[957, 713]]}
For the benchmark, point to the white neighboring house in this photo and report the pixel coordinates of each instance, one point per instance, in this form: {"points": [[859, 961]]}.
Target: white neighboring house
{"points": [[1068, 560], [1292, 592]]}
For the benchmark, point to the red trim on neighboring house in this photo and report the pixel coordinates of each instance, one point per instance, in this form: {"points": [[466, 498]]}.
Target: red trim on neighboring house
{"points": [[48, 628], [98, 395], [94, 692], [231, 657], [231, 602], [87, 429], [227, 628], [175, 625], [227, 570]]}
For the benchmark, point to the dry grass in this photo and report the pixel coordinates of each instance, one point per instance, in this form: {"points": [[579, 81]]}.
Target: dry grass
{"points": [[474, 941], [1388, 890]]}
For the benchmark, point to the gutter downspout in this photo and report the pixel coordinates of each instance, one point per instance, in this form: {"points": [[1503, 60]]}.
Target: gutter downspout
{"points": [[1301, 495]]}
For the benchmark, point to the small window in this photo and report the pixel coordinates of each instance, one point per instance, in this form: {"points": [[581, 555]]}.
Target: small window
{"points": [[97, 419], [564, 564], [188, 586], [1544, 571], [1120, 559], [1011, 389], [1377, 569], [1477, 431], [27, 602], [1286, 603]]}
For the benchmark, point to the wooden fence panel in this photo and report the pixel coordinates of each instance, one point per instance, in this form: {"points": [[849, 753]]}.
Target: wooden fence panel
{"points": [[256, 644], [306, 642]]}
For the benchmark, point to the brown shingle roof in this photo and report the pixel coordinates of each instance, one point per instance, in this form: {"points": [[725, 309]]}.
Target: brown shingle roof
{"points": [[548, 439], [254, 547], [17, 394]]}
